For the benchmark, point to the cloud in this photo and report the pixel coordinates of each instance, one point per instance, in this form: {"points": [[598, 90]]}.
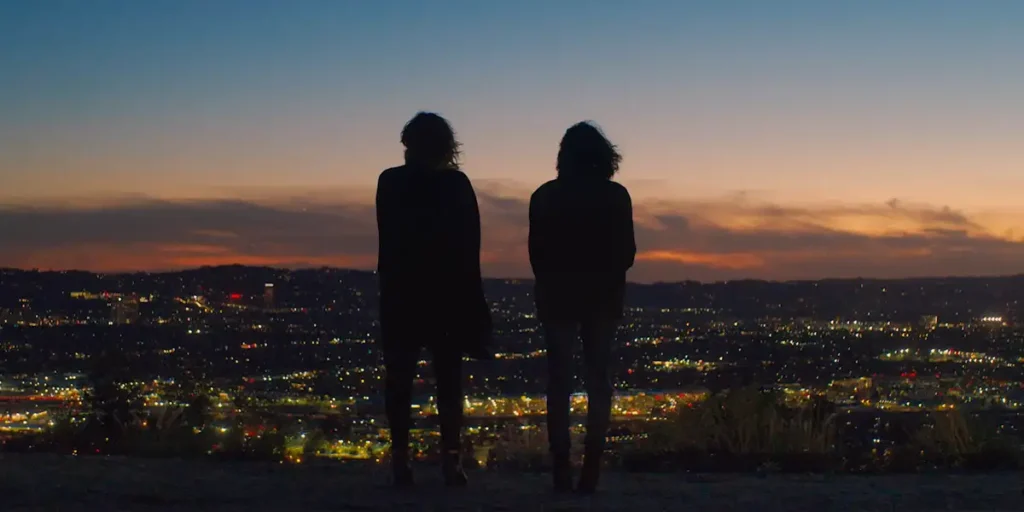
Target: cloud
{"points": [[166, 234], [728, 238]]}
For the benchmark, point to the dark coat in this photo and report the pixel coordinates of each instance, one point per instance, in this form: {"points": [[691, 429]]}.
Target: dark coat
{"points": [[581, 245], [428, 261]]}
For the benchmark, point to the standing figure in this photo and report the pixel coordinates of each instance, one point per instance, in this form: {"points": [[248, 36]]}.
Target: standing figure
{"points": [[431, 291], [581, 245]]}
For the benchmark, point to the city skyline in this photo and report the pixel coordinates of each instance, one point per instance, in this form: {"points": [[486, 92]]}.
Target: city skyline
{"points": [[789, 141]]}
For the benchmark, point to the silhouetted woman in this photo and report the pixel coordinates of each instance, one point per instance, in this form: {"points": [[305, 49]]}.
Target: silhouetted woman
{"points": [[431, 293], [581, 245]]}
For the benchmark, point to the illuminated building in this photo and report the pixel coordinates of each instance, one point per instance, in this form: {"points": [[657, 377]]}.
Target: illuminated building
{"points": [[929, 322], [992, 320], [125, 310], [268, 295]]}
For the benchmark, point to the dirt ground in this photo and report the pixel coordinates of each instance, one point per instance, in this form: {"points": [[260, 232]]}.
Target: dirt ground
{"points": [[43, 482]]}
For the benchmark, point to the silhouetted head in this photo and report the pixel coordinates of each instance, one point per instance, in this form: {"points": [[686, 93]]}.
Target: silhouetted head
{"points": [[585, 151], [430, 142]]}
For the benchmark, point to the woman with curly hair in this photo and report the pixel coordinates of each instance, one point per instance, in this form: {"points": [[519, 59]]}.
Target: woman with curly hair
{"points": [[581, 245], [431, 291]]}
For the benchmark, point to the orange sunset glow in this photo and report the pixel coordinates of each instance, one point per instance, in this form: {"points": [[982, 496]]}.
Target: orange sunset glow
{"points": [[774, 143], [726, 239]]}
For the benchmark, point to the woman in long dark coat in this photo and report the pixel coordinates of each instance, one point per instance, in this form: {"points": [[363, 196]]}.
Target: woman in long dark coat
{"points": [[431, 292], [581, 245]]}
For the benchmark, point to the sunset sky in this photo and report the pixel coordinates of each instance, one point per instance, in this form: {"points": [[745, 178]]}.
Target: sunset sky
{"points": [[779, 140]]}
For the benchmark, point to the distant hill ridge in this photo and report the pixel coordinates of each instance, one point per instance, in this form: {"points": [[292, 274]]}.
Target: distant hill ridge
{"points": [[951, 299], [276, 270]]}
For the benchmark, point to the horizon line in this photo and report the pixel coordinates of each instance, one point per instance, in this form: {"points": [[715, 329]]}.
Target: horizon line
{"points": [[374, 271]]}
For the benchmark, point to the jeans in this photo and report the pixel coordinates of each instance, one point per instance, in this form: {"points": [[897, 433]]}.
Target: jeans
{"points": [[400, 368], [597, 342]]}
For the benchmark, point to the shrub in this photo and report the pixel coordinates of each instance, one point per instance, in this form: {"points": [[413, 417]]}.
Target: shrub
{"points": [[954, 439]]}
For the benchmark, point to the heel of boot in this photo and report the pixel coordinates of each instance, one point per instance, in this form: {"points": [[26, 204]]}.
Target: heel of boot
{"points": [[561, 473], [451, 469], [591, 473]]}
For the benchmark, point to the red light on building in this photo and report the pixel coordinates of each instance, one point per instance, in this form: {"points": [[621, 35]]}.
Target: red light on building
{"points": [[235, 296]]}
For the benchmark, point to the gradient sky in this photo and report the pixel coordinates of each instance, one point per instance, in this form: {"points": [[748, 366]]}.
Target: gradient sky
{"points": [[787, 139]]}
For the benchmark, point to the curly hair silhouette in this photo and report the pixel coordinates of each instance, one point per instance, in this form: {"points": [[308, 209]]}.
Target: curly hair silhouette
{"points": [[585, 151], [430, 141]]}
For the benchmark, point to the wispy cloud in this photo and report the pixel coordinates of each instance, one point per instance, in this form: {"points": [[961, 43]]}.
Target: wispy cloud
{"points": [[727, 238]]}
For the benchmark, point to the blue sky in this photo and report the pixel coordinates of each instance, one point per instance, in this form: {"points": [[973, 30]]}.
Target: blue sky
{"points": [[805, 104]]}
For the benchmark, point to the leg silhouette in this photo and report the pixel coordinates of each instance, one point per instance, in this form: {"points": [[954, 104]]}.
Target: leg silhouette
{"points": [[560, 340], [448, 374], [400, 368], [597, 342]]}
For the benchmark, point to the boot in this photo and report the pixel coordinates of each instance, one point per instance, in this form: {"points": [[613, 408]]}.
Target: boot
{"points": [[591, 472], [561, 473], [451, 468], [401, 469]]}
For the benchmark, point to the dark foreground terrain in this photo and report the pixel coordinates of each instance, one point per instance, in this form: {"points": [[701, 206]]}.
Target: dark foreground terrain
{"points": [[40, 482]]}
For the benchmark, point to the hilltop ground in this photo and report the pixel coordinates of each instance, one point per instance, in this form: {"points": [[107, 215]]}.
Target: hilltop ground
{"points": [[43, 482]]}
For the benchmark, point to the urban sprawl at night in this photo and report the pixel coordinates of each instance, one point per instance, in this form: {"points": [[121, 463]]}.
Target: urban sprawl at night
{"points": [[294, 352]]}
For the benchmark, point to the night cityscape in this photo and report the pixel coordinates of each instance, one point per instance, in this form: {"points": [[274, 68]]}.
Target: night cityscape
{"points": [[470, 255], [294, 351]]}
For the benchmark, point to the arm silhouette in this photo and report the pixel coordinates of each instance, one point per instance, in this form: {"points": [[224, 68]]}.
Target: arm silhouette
{"points": [[537, 239], [384, 228], [625, 230], [469, 215]]}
